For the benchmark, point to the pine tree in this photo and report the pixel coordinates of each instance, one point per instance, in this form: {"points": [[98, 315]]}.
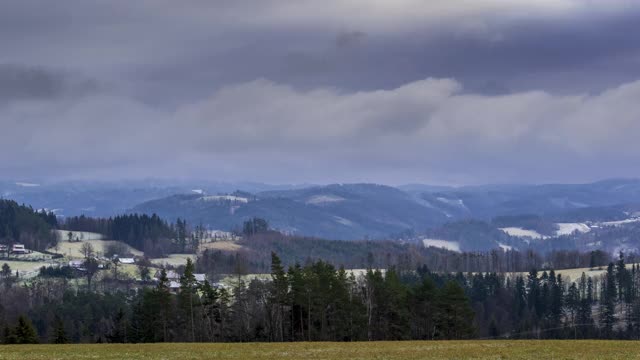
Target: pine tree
{"points": [[119, 330], [187, 294], [608, 302], [163, 295], [9, 336], [25, 333], [455, 316], [59, 334], [279, 294]]}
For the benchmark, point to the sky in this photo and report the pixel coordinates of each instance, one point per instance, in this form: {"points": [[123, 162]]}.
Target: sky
{"points": [[304, 91]]}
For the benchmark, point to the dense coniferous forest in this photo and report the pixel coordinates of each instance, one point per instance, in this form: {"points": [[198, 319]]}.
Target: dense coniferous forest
{"points": [[254, 256], [319, 302], [22, 224], [146, 233], [423, 293]]}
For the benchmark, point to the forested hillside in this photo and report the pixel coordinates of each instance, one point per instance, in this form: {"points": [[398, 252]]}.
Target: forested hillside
{"points": [[22, 224], [146, 233], [319, 302]]}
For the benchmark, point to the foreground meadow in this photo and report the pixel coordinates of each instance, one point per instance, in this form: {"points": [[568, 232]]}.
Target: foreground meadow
{"points": [[531, 349]]}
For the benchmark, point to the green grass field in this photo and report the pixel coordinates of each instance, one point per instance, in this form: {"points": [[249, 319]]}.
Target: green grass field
{"points": [[531, 349]]}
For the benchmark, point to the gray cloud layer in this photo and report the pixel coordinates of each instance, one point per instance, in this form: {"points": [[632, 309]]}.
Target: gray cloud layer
{"points": [[402, 91]]}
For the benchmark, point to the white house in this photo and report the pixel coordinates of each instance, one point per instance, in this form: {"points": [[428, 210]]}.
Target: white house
{"points": [[18, 249], [200, 277], [171, 275], [126, 260], [76, 264], [174, 286]]}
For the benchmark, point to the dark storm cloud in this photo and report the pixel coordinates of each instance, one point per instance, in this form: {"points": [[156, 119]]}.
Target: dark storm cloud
{"points": [[367, 90], [25, 82]]}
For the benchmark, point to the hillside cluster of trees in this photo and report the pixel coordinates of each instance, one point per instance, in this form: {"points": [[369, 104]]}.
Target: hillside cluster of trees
{"points": [[405, 256], [150, 234], [22, 224], [319, 302], [315, 302]]}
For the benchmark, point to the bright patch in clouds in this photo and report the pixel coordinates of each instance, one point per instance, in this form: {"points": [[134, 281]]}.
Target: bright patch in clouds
{"points": [[427, 129]]}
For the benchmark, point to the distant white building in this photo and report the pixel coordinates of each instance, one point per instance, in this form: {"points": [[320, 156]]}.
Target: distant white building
{"points": [[18, 249], [126, 260], [174, 286], [200, 277], [76, 264], [171, 275]]}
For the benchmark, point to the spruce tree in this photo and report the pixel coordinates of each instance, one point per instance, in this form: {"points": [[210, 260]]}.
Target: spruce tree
{"points": [[59, 334], [187, 294], [25, 333]]}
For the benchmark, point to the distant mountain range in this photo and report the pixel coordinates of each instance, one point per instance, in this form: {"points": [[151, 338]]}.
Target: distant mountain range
{"points": [[352, 211], [94, 198]]}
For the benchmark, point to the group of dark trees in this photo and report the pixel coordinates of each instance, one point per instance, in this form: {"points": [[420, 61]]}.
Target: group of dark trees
{"points": [[22, 224], [150, 234], [319, 302], [314, 302], [254, 256]]}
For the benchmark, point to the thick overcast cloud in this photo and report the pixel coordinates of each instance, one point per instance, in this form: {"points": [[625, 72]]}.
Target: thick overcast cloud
{"points": [[309, 91]]}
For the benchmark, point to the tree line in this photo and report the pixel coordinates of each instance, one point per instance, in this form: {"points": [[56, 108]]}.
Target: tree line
{"points": [[320, 302], [148, 233], [22, 224]]}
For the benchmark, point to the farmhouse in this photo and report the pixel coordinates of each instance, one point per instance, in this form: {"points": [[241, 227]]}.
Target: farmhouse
{"points": [[76, 264], [18, 249], [171, 275], [126, 260], [174, 286]]}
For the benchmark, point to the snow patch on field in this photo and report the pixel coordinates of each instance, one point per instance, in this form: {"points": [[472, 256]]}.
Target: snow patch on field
{"points": [[25, 184], [198, 191], [78, 235], [570, 228], [225, 197], [452, 202], [443, 244], [504, 247], [323, 199], [520, 232], [620, 222], [343, 221]]}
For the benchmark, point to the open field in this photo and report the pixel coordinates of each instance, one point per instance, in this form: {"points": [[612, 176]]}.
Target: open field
{"points": [[497, 349], [73, 249], [571, 275], [221, 245], [174, 259], [78, 235], [26, 268]]}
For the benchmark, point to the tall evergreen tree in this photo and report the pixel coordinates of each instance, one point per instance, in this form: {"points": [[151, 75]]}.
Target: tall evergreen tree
{"points": [[24, 332]]}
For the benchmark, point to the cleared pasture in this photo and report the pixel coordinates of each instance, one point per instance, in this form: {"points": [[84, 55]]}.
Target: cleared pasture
{"points": [[411, 350]]}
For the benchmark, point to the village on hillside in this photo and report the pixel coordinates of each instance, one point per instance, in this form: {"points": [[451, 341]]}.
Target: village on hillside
{"points": [[76, 251]]}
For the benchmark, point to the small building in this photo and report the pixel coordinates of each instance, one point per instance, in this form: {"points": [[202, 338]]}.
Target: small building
{"points": [[126, 260], [4, 248], [76, 264], [174, 286], [18, 249], [171, 275], [200, 278]]}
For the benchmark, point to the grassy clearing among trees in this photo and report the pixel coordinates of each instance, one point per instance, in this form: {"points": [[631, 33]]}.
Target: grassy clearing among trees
{"points": [[523, 349]]}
